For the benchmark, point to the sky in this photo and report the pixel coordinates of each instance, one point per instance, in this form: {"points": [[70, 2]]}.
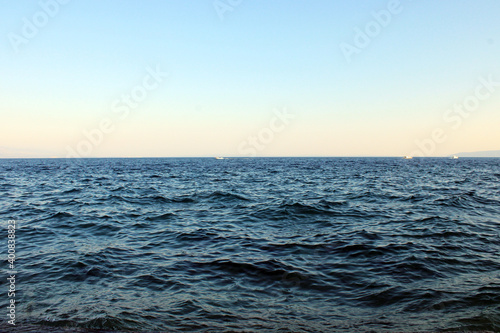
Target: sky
{"points": [[165, 78]]}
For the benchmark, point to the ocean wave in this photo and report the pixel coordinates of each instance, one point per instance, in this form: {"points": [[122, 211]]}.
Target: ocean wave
{"points": [[311, 245]]}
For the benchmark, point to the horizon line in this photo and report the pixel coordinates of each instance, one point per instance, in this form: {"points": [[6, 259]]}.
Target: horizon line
{"points": [[238, 157]]}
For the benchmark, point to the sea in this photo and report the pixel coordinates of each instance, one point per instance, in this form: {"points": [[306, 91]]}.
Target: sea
{"points": [[251, 244]]}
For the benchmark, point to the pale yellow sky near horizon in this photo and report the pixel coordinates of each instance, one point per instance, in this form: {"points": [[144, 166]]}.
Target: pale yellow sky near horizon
{"points": [[160, 86]]}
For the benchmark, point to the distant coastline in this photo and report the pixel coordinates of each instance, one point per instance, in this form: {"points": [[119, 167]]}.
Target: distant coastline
{"points": [[487, 153], [480, 154]]}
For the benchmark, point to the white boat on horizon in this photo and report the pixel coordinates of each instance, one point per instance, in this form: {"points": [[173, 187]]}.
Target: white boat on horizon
{"points": [[454, 157], [219, 158], [408, 157]]}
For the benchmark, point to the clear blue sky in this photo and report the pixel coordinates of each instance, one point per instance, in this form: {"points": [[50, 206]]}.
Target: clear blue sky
{"points": [[231, 71]]}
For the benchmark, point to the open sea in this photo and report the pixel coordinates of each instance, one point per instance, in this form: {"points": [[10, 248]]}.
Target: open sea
{"points": [[252, 244]]}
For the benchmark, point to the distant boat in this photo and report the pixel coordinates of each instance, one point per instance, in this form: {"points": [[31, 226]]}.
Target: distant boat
{"points": [[454, 157], [408, 157], [219, 158]]}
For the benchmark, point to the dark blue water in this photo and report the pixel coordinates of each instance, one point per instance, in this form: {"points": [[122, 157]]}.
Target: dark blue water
{"points": [[255, 245]]}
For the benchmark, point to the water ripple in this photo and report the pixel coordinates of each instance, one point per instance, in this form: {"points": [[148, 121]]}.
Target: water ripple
{"points": [[302, 245]]}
